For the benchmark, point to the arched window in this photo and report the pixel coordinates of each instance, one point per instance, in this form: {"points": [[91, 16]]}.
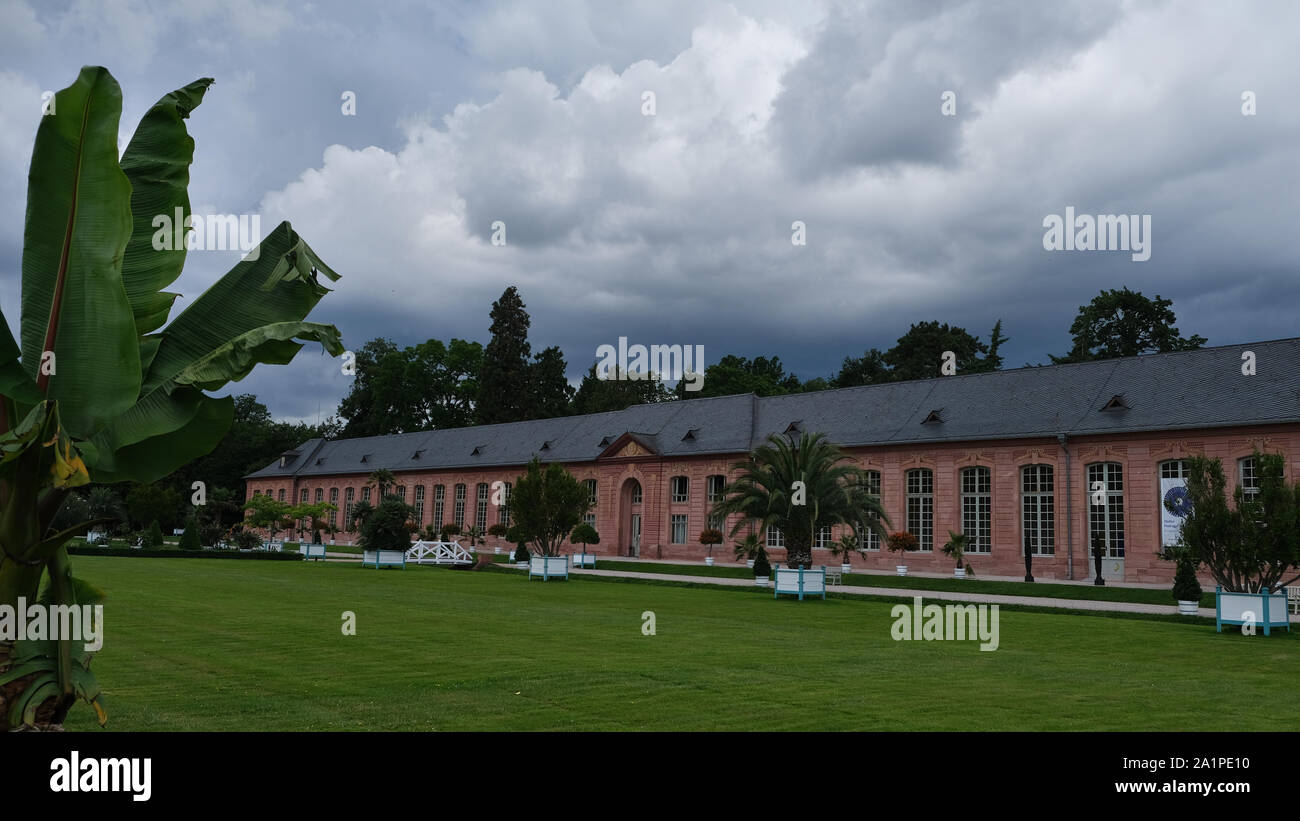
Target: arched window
{"points": [[1038, 510], [1248, 477], [636, 492], [439, 502], [591, 491], [350, 497], [480, 510], [419, 505], [458, 507], [503, 512], [977, 508], [334, 500], [920, 507], [869, 539], [1106, 520], [714, 485]]}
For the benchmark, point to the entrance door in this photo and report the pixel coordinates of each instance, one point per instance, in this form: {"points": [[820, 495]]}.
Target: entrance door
{"points": [[635, 548]]}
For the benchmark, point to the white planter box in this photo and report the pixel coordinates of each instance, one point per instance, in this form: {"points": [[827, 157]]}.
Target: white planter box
{"points": [[708, 560], [761, 581], [1266, 610], [959, 572], [384, 558], [749, 563], [796, 581], [549, 567], [1188, 608], [901, 569], [845, 567], [584, 559]]}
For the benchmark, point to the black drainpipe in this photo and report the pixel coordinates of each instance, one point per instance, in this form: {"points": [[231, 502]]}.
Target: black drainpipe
{"points": [[1069, 506]]}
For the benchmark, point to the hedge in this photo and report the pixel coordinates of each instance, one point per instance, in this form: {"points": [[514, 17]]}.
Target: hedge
{"points": [[144, 553]]}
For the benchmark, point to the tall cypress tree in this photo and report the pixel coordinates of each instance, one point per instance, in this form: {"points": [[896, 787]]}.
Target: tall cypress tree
{"points": [[504, 386], [552, 395]]}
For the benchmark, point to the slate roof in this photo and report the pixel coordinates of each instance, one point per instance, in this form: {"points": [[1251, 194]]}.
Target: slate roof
{"points": [[1170, 391]]}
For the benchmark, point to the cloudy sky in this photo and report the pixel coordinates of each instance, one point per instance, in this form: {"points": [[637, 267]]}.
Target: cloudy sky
{"points": [[675, 227]]}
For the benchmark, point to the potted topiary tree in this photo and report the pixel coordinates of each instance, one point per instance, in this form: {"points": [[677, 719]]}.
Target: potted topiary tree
{"points": [[710, 537], [956, 548], [1187, 590], [901, 542], [190, 538], [521, 555], [762, 568], [584, 534], [846, 547]]}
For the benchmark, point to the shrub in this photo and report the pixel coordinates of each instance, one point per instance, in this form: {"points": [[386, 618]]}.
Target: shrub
{"points": [[153, 537], [761, 565], [190, 538], [521, 553], [385, 527], [1186, 586], [497, 530], [449, 529], [246, 539], [901, 541]]}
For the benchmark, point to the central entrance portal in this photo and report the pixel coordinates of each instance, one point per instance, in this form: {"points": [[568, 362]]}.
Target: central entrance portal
{"points": [[629, 518]]}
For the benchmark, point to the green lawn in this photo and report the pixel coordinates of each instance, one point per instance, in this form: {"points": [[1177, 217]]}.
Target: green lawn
{"points": [[194, 645], [1139, 595]]}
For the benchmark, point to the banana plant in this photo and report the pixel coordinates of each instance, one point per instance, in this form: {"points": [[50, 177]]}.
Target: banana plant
{"points": [[100, 386]]}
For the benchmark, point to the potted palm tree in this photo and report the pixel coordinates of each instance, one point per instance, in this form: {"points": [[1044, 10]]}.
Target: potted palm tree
{"points": [[901, 542], [498, 530], [956, 548], [747, 550], [846, 547], [710, 537], [833, 492]]}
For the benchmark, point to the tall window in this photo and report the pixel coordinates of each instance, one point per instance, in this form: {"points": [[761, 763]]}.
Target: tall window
{"points": [[870, 539], [439, 500], [590, 518], [334, 514], [1107, 519], [681, 489], [1038, 509], [716, 523], [679, 528], [823, 539], [320, 495], [775, 538], [401, 492], [1249, 479], [282, 494], [419, 505], [920, 507], [714, 485], [458, 507], [977, 508], [480, 510], [365, 493], [591, 491], [302, 497], [347, 507], [636, 492], [503, 512]]}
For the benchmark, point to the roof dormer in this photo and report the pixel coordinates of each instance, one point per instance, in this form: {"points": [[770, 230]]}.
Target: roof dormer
{"points": [[1117, 402]]}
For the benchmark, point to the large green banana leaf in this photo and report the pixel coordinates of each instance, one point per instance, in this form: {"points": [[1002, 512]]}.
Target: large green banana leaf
{"points": [[157, 162], [78, 223]]}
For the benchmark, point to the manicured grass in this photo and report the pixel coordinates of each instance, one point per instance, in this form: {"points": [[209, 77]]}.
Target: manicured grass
{"points": [[257, 646], [969, 585]]}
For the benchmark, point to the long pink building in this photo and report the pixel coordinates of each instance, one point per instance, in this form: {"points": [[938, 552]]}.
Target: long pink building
{"points": [[1033, 459]]}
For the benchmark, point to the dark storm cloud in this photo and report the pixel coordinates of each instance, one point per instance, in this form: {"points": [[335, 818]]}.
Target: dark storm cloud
{"points": [[675, 228]]}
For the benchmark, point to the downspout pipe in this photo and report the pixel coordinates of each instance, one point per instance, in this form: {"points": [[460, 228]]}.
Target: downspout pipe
{"points": [[1069, 506]]}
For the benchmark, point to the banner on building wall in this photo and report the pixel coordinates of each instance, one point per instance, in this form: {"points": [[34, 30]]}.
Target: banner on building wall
{"points": [[1173, 493]]}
